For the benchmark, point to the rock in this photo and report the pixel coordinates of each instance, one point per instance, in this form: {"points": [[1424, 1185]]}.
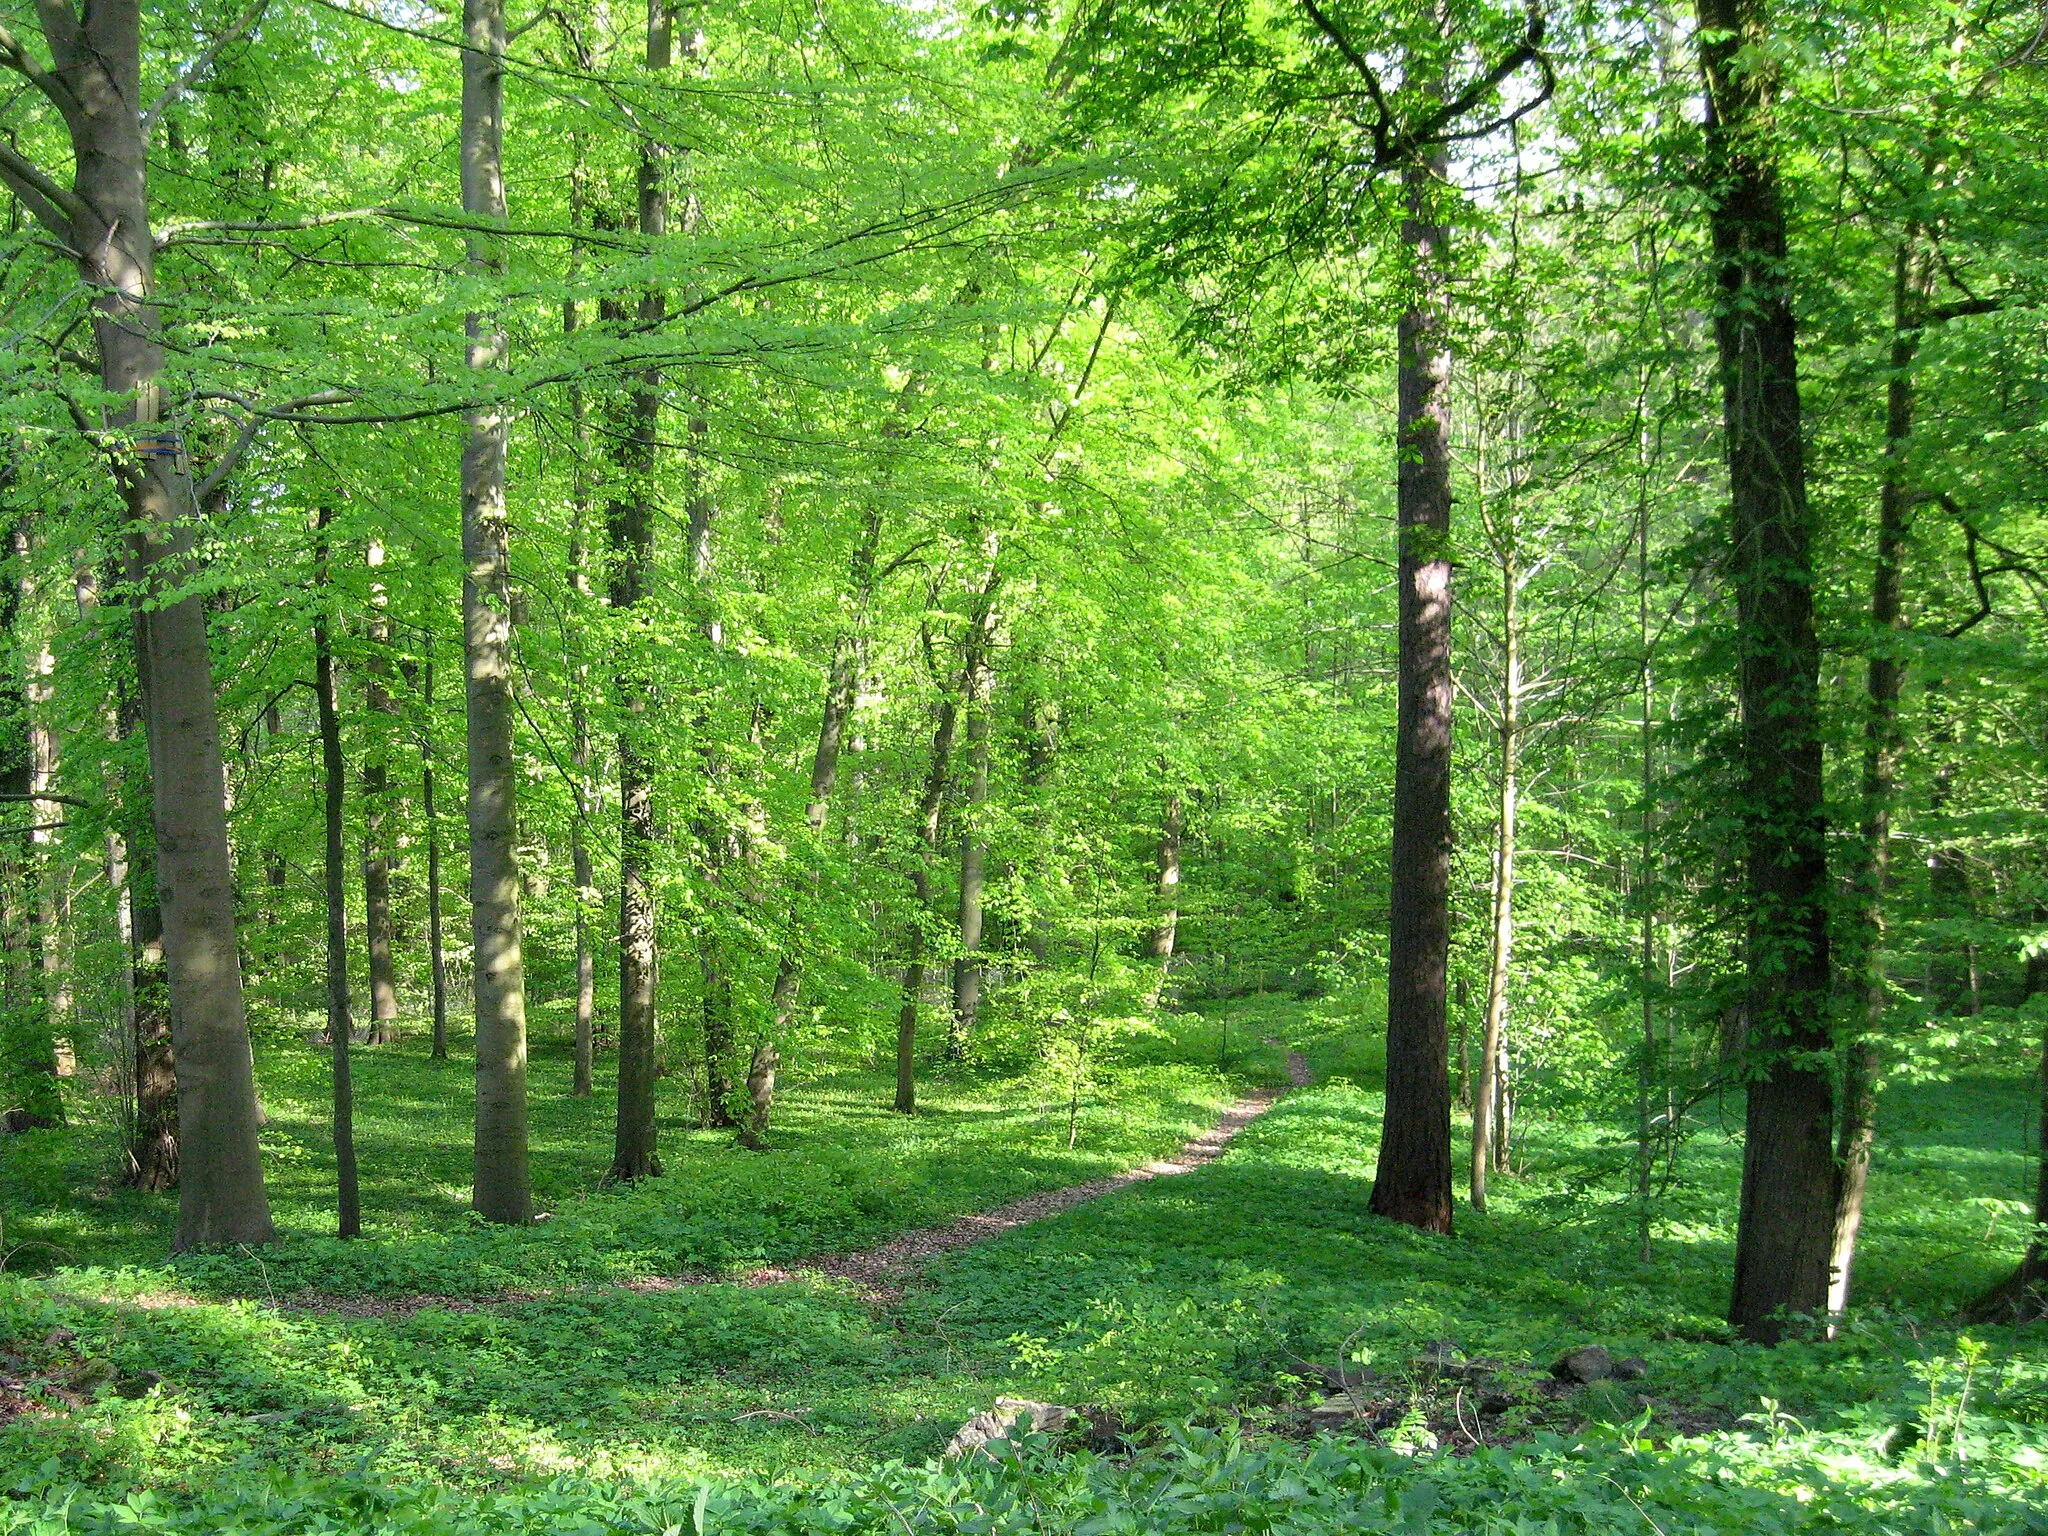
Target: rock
{"points": [[139, 1384], [58, 1337], [1438, 1357], [1010, 1415], [1589, 1362], [1478, 1368], [1337, 1408], [1631, 1368]]}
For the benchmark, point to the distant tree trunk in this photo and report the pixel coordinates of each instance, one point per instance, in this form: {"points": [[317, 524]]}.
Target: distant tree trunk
{"points": [[1041, 754], [630, 528], [1159, 943], [930, 805], [348, 1204], [28, 1056], [579, 704], [980, 676], [1412, 1183], [1911, 283], [377, 924], [842, 689], [436, 953], [1500, 956], [1788, 1177], [502, 1191]]}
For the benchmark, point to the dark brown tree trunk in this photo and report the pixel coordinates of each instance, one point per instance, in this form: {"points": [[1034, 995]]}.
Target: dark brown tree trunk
{"points": [[502, 1190], [377, 923], [1911, 282], [1412, 1183], [1788, 1176], [96, 86], [630, 527], [348, 1205]]}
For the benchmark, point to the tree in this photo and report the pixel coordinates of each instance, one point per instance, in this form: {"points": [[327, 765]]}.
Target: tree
{"points": [[502, 1190], [1788, 1173], [94, 83]]}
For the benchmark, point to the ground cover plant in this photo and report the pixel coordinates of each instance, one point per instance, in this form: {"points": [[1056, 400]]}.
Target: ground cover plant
{"points": [[1200, 1315]]}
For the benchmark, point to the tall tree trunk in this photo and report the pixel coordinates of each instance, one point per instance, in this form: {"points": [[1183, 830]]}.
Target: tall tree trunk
{"points": [[1911, 284], [930, 806], [630, 519], [377, 923], [980, 677], [1647, 1070], [1412, 1183], [502, 1192], [579, 704], [348, 1205], [1788, 1175], [1501, 952], [96, 85], [437, 954], [1159, 943]]}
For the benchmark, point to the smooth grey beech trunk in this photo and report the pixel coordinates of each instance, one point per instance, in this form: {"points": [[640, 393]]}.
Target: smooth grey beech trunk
{"points": [[630, 520], [502, 1192], [95, 85], [378, 927], [1412, 1182], [1786, 1224], [931, 804], [437, 956], [580, 743]]}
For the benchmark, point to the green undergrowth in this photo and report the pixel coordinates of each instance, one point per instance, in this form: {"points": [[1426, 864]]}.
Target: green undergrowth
{"points": [[1194, 1309], [843, 1171]]}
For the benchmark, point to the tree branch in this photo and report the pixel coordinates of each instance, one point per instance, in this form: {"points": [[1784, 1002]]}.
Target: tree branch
{"points": [[199, 66], [53, 206], [15, 55]]}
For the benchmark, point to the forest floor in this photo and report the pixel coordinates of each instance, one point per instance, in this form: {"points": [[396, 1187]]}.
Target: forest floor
{"points": [[1200, 1314]]}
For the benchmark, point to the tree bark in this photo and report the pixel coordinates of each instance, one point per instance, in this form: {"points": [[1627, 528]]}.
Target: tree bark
{"points": [[1501, 951], [28, 1056], [980, 678], [930, 806], [1412, 1183], [630, 528], [95, 85], [579, 718], [1159, 943], [153, 1140], [437, 955], [1788, 1177], [376, 785], [502, 1192], [348, 1205], [1885, 680]]}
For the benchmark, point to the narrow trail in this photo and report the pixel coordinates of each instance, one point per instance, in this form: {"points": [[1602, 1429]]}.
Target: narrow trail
{"points": [[878, 1275]]}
